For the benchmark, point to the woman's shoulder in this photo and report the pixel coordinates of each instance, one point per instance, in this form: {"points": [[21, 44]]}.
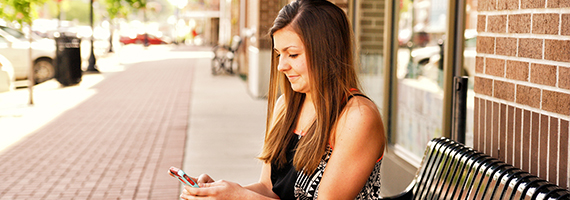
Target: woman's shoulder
{"points": [[360, 116], [361, 106], [359, 124]]}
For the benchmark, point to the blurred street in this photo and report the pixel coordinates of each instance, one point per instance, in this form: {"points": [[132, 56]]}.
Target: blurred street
{"points": [[115, 135]]}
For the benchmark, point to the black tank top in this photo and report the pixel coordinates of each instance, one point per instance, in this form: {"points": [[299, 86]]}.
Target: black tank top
{"points": [[284, 178]]}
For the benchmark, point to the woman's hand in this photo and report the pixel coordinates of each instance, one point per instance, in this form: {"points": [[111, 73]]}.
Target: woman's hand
{"points": [[214, 190]]}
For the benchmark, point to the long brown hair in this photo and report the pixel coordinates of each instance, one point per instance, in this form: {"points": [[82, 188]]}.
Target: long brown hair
{"points": [[325, 32]]}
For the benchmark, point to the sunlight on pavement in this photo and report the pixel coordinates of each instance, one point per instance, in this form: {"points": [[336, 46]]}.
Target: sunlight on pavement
{"points": [[18, 118], [130, 54]]}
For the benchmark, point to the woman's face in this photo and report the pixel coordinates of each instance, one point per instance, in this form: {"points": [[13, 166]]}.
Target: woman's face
{"points": [[292, 59]]}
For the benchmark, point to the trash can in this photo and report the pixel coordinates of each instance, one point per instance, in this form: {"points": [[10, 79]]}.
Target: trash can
{"points": [[68, 60]]}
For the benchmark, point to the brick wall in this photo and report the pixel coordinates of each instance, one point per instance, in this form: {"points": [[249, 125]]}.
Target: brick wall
{"points": [[268, 10], [371, 32], [522, 85]]}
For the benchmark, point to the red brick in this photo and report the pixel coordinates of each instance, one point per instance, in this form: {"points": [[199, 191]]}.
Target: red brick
{"points": [[529, 96], [564, 77], [556, 102], [488, 127], [558, 4], [543, 74], [486, 5], [525, 4], [525, 140], [504, 90], [479, 64], [565, 24], [543, 146], [530, 48], [508, 5], [557, 50], [563, 162], [517, 70], [502, 132], [481, 23], [510, 135], [545, 23], [495, 131], [553, 150], [518, 134], [483, 86], [476, 119], [506, 46], [495, 67], [519, 23], [497, 24], [485, 44]]}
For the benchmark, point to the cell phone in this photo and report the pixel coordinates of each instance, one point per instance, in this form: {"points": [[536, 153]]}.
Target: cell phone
{"points": [[182, 177]]}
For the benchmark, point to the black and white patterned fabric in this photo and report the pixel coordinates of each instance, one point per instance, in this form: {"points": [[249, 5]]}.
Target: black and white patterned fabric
{"points": [[307, 186]]}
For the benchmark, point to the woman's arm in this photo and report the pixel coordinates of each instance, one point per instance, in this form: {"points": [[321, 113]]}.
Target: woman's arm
{"points": [[359, 132], [264, 187]]}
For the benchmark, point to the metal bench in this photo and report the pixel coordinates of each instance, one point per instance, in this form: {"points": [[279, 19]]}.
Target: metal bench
{"points": [[224, 56], [449, 170]]}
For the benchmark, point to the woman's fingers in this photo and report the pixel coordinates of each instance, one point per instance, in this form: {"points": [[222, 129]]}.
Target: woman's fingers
{"points": [[204, 190], [205, 178]]}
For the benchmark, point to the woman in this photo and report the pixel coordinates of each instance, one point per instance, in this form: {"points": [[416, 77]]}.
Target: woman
{"points": [[324, 138]]}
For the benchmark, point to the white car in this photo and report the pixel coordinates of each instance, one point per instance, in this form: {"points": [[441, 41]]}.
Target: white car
{"points": [[14, 45], [6, 75]]}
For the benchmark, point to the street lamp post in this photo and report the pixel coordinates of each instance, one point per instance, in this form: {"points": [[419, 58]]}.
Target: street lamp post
{"points": [[91, 68]]}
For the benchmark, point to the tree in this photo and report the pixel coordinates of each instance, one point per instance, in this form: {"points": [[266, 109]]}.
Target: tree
{"points": [[121, 8], [22, 11]]}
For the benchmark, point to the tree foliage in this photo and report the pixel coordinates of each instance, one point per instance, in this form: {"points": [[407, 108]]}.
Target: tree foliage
{"points": [[22, 11], [25, 11], [121, 8]]}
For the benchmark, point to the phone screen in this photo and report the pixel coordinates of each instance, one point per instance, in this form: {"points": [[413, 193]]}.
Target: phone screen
{"points": [[182, 177]]}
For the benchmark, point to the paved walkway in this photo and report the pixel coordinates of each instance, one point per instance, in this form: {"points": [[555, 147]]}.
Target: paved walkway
{"points": [[115, 135]]}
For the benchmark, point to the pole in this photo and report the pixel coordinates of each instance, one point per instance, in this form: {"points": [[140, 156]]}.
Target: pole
{"points": [[459, 108], [31, 81], [92, 68]]}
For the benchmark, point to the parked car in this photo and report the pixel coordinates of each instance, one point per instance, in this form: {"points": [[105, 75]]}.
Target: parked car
{"points": [[6, 75], [15, 46], [139, 39]]}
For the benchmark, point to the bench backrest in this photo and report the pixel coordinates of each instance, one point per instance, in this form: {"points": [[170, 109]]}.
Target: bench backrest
{"points": [[449, 170]]}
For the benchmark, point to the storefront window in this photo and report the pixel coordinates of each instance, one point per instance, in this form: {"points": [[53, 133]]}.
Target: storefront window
{"points": [[369, 21], [421, 35], [469, 57]]}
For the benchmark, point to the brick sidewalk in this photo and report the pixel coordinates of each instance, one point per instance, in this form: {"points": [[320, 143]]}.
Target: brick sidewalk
{"points": [[118, 144]]}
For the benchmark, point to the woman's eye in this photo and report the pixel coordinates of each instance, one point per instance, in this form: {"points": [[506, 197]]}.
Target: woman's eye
{"points": [[293, 55], [278, 55]]}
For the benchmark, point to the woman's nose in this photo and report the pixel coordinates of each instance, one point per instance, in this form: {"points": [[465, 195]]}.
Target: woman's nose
{"points": [[283, 65]]}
